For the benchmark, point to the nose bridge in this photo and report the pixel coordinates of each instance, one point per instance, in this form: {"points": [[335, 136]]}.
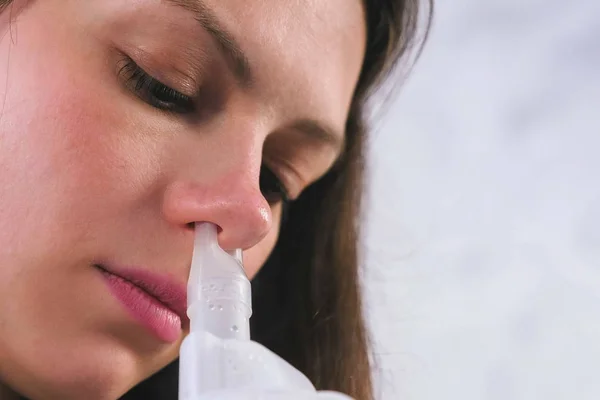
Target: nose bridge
{"points": [[235, 152], [219, 183]]}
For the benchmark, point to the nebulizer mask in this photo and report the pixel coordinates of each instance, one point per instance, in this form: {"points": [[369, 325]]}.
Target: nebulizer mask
{"points": [[217, 359]]}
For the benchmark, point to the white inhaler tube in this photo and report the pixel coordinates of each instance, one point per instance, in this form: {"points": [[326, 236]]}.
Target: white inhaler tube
{"points": [[219, 307], [217, 360]]}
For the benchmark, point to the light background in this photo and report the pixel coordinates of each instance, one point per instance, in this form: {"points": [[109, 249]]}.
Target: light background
{"points": [[483, 225]]}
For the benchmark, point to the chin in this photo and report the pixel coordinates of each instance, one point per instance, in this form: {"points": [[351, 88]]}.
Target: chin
{"points": [[93, 373]]}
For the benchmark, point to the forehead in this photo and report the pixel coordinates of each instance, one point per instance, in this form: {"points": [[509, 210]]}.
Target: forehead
{"points": [[305, 53]]}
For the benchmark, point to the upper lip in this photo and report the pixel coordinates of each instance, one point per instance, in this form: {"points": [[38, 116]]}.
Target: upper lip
{"points": [[163, 288]]}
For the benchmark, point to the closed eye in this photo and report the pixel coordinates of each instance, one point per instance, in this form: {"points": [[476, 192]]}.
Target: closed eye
{"points": [[272, 188], [154, 92]]}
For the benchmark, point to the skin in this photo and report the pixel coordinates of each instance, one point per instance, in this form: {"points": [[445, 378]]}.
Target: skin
{"points": [[90, 172]]}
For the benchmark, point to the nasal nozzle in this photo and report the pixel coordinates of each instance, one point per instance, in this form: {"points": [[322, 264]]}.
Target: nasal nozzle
{"points": [[219, 296]]}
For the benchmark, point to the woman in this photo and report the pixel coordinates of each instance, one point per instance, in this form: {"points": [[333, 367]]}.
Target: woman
{"points": [[124, 123]]}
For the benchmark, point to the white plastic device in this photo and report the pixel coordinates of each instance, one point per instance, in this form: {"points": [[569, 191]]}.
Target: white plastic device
{"points": [[217, 359]]}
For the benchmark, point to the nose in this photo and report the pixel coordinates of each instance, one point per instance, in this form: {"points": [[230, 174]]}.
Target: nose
{"points": [[233, 202]]}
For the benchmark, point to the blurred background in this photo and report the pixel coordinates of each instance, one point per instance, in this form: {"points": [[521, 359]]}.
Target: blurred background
{"points": [[483, 224]]}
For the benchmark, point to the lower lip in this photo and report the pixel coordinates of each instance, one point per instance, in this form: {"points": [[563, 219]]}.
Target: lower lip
{"points": [[163, 322]]}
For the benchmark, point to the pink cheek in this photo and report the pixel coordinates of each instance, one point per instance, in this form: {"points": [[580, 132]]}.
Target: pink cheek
{"points": [[88, 144], [72, 115], [70, 134], [77, 143]]}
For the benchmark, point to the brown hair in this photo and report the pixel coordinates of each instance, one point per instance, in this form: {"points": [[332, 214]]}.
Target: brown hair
{"points": [[308, 303], [307, 298]]}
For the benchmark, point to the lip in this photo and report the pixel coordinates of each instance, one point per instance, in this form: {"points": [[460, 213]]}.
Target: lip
{"points": [[155, 301]]}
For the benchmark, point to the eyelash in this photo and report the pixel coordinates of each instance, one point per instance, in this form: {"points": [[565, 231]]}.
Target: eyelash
{"points": [[271, 187], [165, 98], [154, 92]]}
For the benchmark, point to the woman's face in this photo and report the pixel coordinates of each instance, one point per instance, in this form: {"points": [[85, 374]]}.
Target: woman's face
{"points": [[123, 123]]}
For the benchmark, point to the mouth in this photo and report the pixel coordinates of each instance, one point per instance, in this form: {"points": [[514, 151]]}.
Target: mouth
{"points": [[156, 302]]}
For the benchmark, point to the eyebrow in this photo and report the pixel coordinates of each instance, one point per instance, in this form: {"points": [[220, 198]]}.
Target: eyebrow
{"points": [[231, 50], [240, 66], [322, 133]]}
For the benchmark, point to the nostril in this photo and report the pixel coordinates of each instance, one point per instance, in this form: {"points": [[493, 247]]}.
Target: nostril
{"points": [[241, 214], [192, 226]]}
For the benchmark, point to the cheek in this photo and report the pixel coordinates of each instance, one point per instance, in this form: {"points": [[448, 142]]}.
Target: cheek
{"points": [[66, 163], [256, 257], [68, 159], [50, 151]]}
